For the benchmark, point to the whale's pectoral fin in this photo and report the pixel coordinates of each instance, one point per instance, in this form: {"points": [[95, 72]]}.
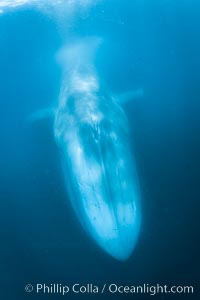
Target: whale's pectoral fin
{"points": [[130, 95], [41, 114]]}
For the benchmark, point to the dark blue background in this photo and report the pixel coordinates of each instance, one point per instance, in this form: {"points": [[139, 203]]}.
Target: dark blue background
{"points": [[149, 44]]}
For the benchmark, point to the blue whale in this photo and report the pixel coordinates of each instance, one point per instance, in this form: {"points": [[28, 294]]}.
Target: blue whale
{"points": [[92, 132]]}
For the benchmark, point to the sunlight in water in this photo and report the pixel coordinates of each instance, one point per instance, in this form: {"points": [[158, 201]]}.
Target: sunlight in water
{"points": [[91, 131], [68, 5]]}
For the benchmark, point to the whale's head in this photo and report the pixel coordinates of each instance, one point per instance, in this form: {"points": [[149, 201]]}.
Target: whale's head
{"points": [[100, 171]]}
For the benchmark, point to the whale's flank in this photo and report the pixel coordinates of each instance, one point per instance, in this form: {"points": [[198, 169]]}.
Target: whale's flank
{"points": [[92, 131]]}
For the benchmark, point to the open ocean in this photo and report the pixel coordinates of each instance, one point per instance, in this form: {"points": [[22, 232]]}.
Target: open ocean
{"points": [[150, 45]]}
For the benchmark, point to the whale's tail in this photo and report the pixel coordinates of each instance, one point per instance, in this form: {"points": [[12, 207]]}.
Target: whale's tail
{"points": [[79, 54], [79, 72], [77, 61]]}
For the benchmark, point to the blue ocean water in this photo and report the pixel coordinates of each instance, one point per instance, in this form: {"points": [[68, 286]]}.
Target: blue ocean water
{"points": [[150, 45]]}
